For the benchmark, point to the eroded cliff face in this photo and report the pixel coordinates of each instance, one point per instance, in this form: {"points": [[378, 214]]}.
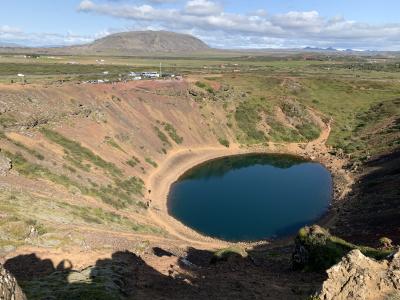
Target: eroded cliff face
{"points": [[9, 288], [361, 278]]}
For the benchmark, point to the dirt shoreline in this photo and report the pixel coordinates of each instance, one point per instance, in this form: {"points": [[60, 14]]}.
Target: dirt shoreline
{"points": [[181, 160]]}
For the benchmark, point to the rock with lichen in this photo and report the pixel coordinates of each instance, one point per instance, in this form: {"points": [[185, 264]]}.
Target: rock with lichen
{"points": [[362, 278], [9, 289], [316, 249]]}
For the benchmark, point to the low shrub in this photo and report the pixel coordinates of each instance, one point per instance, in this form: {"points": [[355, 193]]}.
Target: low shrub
{"points": [[224, 142]]}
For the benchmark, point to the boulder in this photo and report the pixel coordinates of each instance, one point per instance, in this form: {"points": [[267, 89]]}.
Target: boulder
{"points": [[9, 289], [318, 250], [362, 278], [314, 249]]}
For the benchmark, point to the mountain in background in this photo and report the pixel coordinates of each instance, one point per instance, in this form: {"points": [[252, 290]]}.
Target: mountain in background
{"points": [[137, 42], [132, 43]]}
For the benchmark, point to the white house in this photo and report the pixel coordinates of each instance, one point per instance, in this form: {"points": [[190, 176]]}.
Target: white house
{"points": [[151, 74]]}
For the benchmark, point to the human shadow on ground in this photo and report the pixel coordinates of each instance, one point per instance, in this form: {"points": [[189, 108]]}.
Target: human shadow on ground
{"points": [[126, 275]]}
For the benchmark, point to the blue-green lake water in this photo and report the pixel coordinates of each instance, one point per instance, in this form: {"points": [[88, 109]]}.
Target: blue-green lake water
{"points": [[251, 197]]}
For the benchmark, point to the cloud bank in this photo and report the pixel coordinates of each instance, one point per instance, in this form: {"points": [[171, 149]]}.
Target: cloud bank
{"points": [[208, 20]]}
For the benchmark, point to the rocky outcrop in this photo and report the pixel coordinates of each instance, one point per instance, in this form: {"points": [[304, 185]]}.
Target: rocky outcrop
{"points": [[316, 249], [9, 289], [361, 278], [5, 165]]}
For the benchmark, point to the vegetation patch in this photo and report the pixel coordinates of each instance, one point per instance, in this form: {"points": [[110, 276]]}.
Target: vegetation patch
{"points": [[32, 170], [110, 141], [359, 107], [118, 196], [309, 131], [161, 135], [95, 215], [282, 133], [78, 153], [172, 133], [224, 142], [7, 121], [226, 253], [151, 162], [32, 152], [247, 116], [321, 250], [205, 86], [133, 161], [132, 185]]}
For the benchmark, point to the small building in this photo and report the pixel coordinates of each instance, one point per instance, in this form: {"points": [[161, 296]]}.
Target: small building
{"points": [[151, 75]]}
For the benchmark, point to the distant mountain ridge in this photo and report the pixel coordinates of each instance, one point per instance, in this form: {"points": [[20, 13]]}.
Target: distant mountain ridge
{"points": [[331, 49]]}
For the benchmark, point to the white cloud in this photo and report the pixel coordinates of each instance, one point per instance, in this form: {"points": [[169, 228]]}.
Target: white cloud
{"points": [[289, 29], [299, 20], [86, 5], [17, 36], [202, 8], [9, 29]]}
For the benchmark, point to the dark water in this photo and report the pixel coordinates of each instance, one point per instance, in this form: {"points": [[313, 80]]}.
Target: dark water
{"points": [[251, 197]]}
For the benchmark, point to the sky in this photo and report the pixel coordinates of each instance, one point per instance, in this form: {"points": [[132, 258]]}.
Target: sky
{"points": [[342, 24]]}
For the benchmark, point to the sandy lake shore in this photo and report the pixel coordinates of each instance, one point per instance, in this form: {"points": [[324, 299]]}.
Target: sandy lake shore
{"points": [[181, 160]]}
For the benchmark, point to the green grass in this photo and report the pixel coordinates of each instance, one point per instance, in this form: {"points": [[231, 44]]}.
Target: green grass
{"points": [[225, 253], [79, 154], [205, 86], [30, 69], [173, 134], [32, 170], [247, 116], [224, 142], [7, 121], [161, 135], [95, 215], [32, 152], [281, 133], [110, 141], [133, 161], [354, 105], [120, 195], [132, 185], [325, 250], [309, 131], [150, 161]]}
